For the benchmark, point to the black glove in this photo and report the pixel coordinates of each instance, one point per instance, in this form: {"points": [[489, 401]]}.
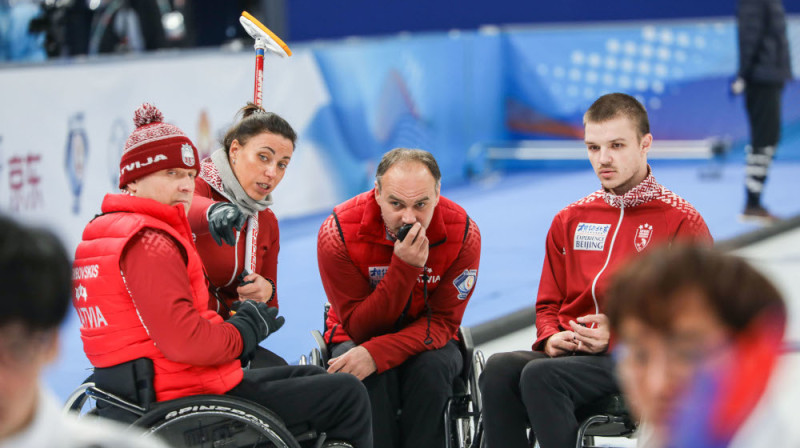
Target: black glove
{"points": [[222, 218], [255, 321]]}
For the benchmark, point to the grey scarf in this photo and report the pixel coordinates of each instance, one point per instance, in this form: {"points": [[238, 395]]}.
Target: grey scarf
{"points": [[232, 189]]}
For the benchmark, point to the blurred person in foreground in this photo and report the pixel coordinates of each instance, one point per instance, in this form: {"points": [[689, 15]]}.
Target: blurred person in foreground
{"points": [[569, 365], [397, 302], [700, 339], [764, 67], [141, 292], [231, 204], [36, 276]]}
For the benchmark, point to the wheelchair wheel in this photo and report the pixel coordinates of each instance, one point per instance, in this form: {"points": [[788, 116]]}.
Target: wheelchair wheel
{"points": [[218, 421]]}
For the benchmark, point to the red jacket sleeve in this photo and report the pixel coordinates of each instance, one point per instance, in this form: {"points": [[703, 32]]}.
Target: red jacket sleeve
{"points": [[552, 285], [693, 228], [198, 212], [155, 274], [391, 350], [363, 311]]}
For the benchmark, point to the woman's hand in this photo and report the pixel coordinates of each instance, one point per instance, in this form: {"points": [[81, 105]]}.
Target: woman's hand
{"points": [[255, 288]]}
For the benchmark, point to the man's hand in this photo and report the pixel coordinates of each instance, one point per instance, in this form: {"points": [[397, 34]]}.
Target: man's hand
{"points": [[256, 288], [223, 218], [255, 321], [591, 340], [357, 361], [414, 248], [561, 344]]}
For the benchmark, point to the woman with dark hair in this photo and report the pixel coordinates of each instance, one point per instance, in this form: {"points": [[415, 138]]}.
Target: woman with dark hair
{"points": [[233, 193]]}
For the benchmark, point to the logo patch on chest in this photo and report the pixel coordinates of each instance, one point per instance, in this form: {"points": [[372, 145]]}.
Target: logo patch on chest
{"points": [[589, 236], [642, 237], [376, 274], [465, 282]]}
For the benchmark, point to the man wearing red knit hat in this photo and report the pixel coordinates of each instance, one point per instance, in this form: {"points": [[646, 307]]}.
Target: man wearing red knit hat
{"points": [[140, 292]]}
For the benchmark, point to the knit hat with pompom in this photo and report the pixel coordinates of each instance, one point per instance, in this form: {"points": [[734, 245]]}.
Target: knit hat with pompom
{"points": [[154, 146]]}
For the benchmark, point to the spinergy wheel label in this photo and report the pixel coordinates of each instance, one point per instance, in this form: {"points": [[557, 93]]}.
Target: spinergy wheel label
{"points": [[207, 408]]}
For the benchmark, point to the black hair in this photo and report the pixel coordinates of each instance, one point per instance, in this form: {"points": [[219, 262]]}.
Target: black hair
{"points": [[36, 275], [255, 120]]}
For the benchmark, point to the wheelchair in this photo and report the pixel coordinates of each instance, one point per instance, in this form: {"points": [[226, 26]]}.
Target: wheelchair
{"points": [[463, 409], [606, 417], [195, 421]]}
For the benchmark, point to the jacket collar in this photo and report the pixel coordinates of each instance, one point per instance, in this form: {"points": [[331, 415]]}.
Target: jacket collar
{"points": [[646, 191], [373, 228], [173, 215]]}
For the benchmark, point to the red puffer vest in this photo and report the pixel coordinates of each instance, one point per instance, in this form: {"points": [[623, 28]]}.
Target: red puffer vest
{"points": [[111, 330], [362, 229]]}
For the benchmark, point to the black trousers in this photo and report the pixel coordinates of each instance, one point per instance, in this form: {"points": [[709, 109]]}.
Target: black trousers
{"points": [[408, 401], [526, 388], [336, 404], [763, 102]]}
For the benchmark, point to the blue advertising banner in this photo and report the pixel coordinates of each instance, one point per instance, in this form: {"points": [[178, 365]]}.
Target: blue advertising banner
{"points": [[436, 92]]}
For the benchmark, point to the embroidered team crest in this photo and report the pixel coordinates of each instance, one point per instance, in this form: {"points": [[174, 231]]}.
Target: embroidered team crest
{"points": [[590, 236], [465, 282], [376, 274], [642, 237], [188, 154]]}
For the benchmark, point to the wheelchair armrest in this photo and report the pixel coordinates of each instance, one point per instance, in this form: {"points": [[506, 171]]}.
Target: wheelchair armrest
{"points": [[324, 352], [609, 405]]}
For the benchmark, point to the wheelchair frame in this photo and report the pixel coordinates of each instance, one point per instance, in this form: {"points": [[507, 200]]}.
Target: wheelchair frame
{"points": [[202, 419], [462, 411]]}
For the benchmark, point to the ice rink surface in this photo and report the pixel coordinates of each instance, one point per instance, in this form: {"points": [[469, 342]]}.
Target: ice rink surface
{"points": [[513, 212]]}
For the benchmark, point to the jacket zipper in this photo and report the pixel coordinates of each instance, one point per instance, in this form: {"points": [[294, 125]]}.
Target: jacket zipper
{"points": [[610, 249]]}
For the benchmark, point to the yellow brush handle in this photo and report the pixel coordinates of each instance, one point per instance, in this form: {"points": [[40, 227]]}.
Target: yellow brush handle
{"points": [[272, 35]]}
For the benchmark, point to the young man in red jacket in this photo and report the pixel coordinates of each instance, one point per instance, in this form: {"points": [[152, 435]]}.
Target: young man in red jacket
{"points": [[140, 292], [397, 302], [569, 365]]}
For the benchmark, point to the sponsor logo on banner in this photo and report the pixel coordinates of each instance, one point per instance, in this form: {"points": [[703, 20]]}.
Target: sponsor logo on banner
{"points": [[465, 282], [187, 154], [376, 274], [204, 142], [24, 182], [116, 145], [590, 236], [77, 152], [642, 237]]}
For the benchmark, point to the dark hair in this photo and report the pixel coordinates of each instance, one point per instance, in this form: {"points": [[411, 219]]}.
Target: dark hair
{"points": [[649, 288], [36, 275], [255, 120], [614, 105], [408, 155]]}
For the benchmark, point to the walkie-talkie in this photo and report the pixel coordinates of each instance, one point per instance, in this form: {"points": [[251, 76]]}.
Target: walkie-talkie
{"points": [[403, 231]]}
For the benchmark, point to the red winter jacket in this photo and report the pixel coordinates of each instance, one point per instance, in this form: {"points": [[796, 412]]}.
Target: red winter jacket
{"points": [[589, 239], [369, 288], [224, 263], [112, 329]]}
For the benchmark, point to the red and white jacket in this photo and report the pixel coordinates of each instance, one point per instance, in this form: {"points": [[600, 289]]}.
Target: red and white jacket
{"points": [[589, 239], [377, 299], [114, 330], [225, 263]]}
